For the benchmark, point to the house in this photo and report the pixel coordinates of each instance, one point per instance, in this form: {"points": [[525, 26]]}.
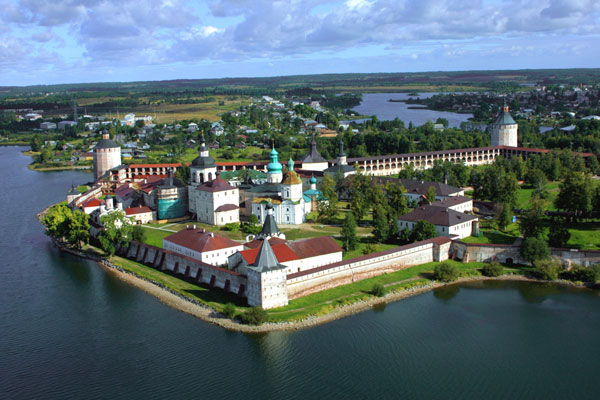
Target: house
{"points": [[140, 214], [457, 203], [201, 245], [447, 222], [63, 124], [92, 205], [47, 126]]}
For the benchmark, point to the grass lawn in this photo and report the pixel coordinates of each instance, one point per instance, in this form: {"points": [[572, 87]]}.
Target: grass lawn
{"points": [[324, 302], [524, 196], [489, 234], [213, 298], [584, 235]]}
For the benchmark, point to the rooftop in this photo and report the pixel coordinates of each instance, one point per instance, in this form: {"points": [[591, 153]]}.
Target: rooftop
{"points": [[200, 240]]}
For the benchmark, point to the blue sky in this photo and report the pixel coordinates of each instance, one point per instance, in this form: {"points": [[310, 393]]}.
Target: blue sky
{"points": [[68, 41]]}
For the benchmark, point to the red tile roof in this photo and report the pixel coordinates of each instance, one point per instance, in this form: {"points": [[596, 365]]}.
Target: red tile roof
{"points": [[199, 240], [255, 244], [281, 250], [315, 247], [216, 185], [226, 207], [137, 210], [93, 203]]}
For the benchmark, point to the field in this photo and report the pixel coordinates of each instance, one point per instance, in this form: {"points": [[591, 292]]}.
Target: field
{"points": [[524, 196]]}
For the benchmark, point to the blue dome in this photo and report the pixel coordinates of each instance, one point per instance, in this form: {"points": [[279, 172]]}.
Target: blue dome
{"points": [[313, 180], [274, 166]]}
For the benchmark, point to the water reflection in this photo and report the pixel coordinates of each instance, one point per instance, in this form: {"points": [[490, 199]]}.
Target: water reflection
{"points": [[446, 293]]}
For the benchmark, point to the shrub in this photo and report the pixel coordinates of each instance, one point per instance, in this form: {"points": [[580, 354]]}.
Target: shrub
{"points": [[229, 310], [445, 272], [546, 269], [232, 226], [255, 316], [492, 269], [378, 290], [582, 274], [369, 248]]}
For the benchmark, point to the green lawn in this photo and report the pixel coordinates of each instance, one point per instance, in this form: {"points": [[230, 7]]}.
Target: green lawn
{"points": [[584, 235], [154, 237], [524, 196], [489, 234]]}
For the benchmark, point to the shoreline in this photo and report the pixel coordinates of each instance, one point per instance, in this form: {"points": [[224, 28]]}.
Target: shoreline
{"points": [[184, 304]]}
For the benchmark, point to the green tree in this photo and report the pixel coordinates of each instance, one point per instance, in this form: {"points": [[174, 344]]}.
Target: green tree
{"points": [[45, 155], [398, 201], [56, 221], [36, 143], [78, 229], [575, 194], [117, 231], [138, 233], [380, 224], [532, 222], [505, 217], [558, 236], [183, 173], [251, 227], [378, 290], [327, 209], [423, 230], [349, 238], [430, 195], [534, 249], [445, 272]]}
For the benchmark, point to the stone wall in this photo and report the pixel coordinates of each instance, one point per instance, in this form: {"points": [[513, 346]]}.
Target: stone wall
{"points": [[348, 271], [200, 272], [508, 253]]}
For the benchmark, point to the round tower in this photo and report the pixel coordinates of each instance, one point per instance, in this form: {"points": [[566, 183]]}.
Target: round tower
{"points": [[107, 155], [274, 168], [504, 129]]}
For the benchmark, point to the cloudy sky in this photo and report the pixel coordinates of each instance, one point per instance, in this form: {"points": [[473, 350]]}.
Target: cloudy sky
{"points": [[64, 41]]}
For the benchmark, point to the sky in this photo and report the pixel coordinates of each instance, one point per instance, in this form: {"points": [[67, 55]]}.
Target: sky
{"points": [[73, 41]]}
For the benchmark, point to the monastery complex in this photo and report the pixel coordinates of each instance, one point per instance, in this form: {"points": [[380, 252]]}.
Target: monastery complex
{"points": [[267, 269]]}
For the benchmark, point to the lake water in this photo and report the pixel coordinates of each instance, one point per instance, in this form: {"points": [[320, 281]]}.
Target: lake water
{"points": [[69, 329], [378, 104]]}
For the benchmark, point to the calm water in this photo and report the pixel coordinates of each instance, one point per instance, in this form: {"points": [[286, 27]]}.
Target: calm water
{"points": [[378, 104], [68, 330]]}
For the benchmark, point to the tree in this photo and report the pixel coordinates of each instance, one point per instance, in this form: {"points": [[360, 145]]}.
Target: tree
{"points": [[430, 195], [398, 202], [532, 222], [138, 233], [251, 227], [183, 173], [534, 249], [55, 221], [575, 194], [349, 238], [327, 209], [359, 187], [423, 230], [558, 236], [380, 224], [445, 272], [78, 229], [117, 231], [505, 217]]}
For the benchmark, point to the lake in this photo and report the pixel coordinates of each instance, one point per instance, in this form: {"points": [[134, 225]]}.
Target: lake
{"points": [[378, 104], [70, 329]]}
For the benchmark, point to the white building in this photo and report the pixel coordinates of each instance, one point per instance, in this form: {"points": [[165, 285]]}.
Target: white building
{"points": [[215, 202], [457, 203], [504, 130], [140, 214], [447, 222], [313, 161], [202, 246], [47, 126], [64, 124]]}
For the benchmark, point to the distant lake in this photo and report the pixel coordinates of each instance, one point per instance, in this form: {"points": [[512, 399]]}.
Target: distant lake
{"points": [[378, 104]]}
